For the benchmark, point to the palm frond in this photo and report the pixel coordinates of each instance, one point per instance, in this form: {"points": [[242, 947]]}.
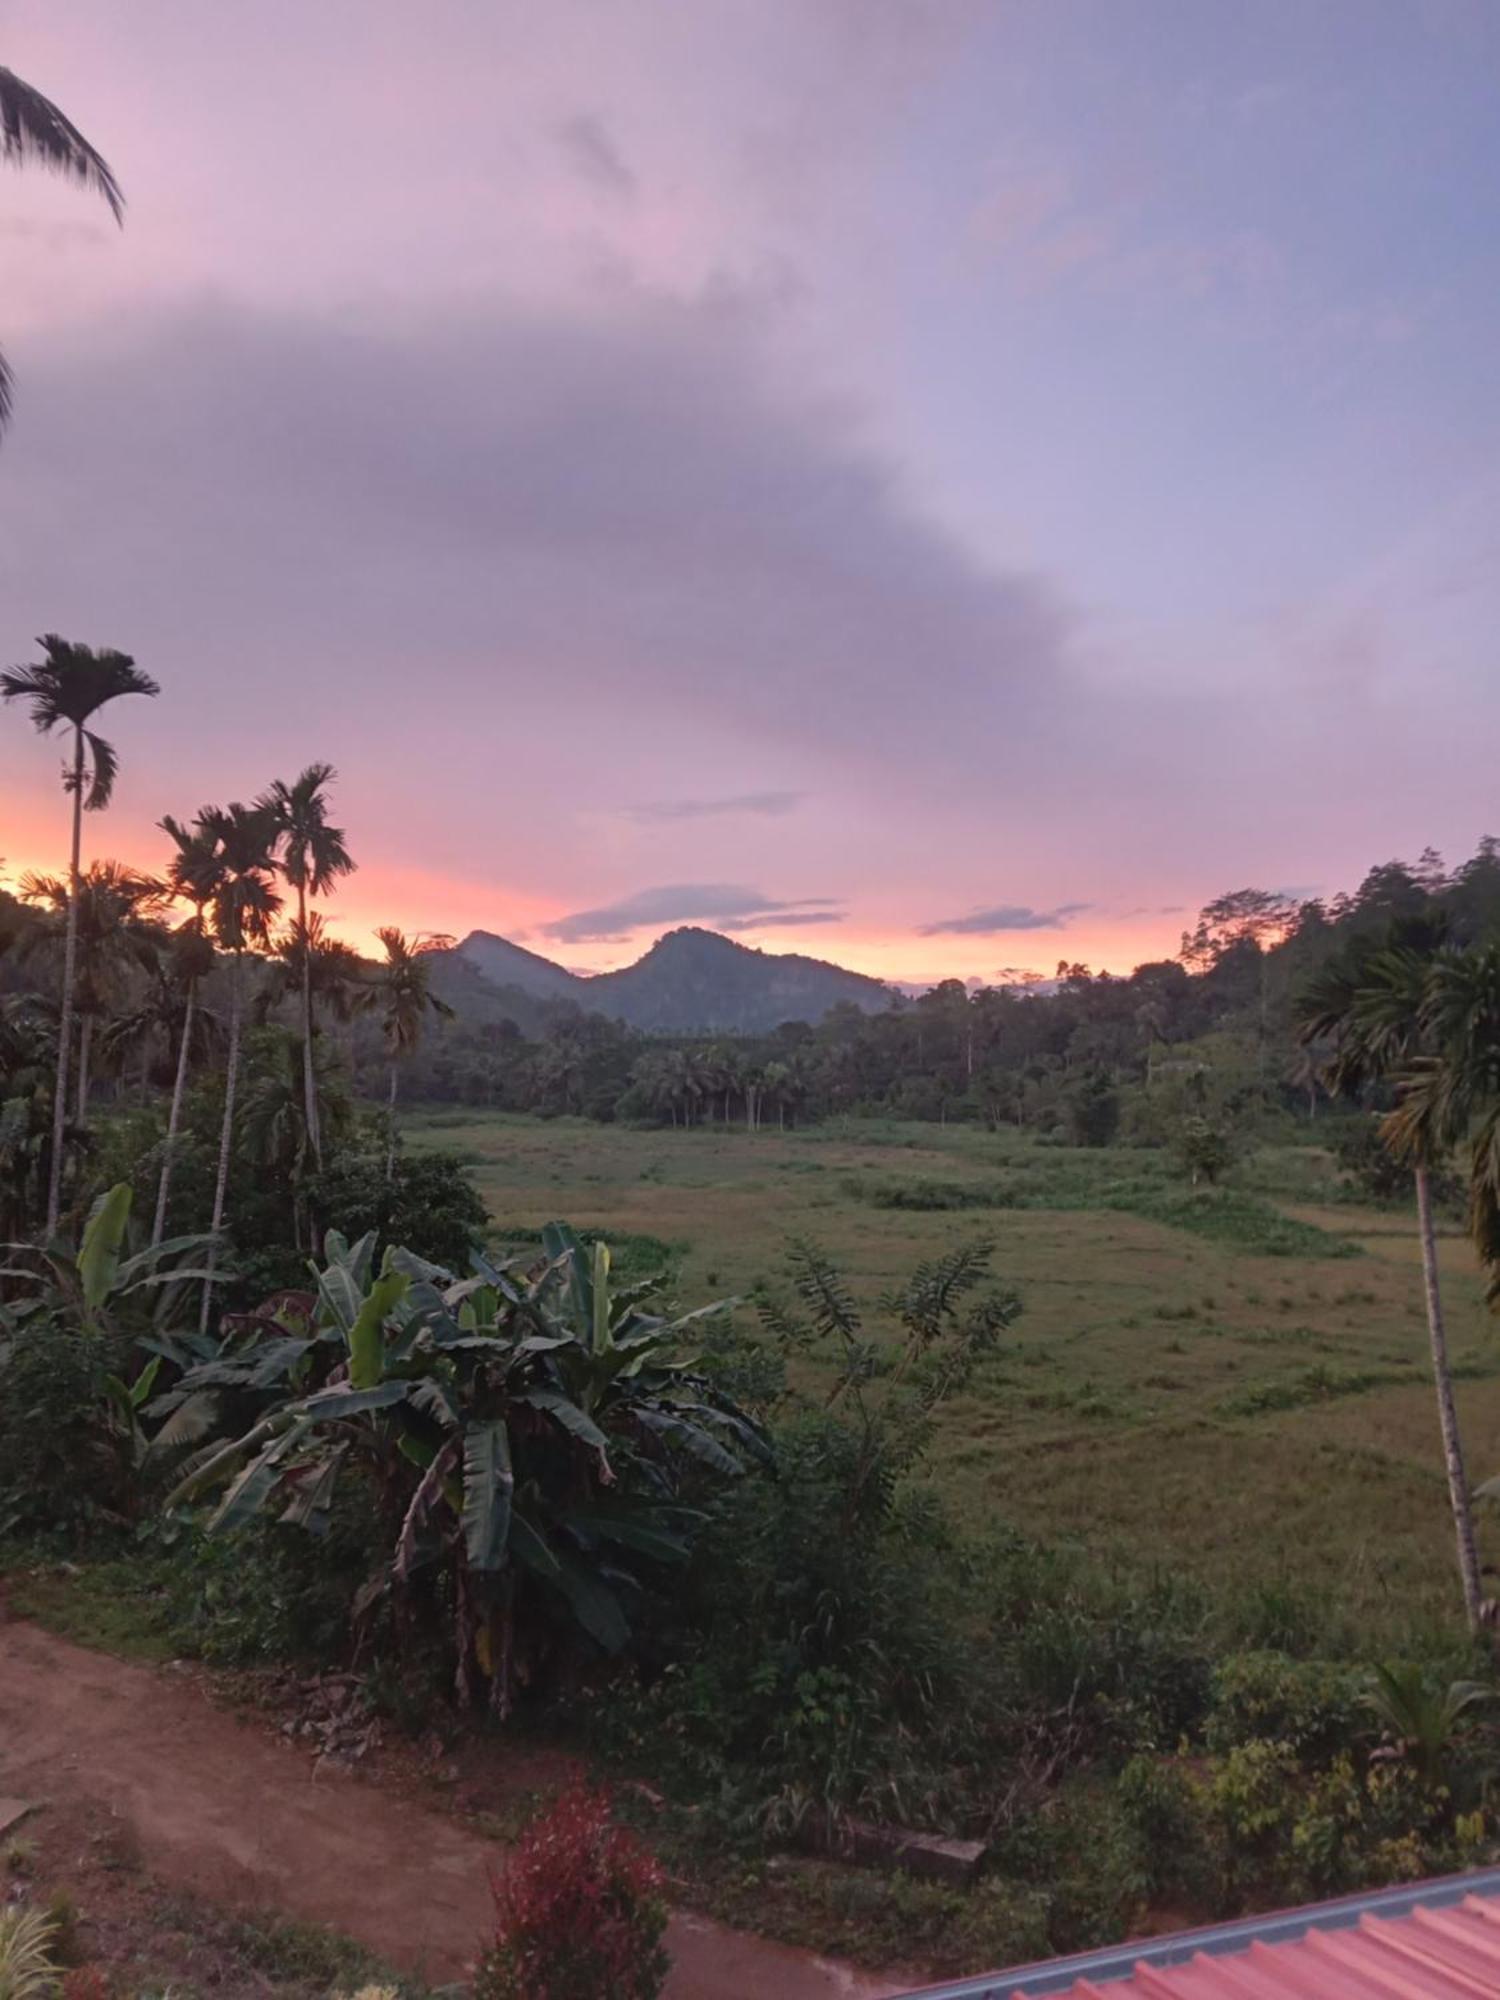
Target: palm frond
{"points": [[33, 132], [104, 766]]}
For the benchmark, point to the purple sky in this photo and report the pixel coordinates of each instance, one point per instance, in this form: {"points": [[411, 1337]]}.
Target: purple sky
{"points": [[944, 486]]}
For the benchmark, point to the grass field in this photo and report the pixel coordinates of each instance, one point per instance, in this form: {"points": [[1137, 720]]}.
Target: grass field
{"points": [[1228, 1385]]}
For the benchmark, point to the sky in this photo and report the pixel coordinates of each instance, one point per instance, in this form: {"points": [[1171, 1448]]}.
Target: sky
{"points": [[948, 485]]}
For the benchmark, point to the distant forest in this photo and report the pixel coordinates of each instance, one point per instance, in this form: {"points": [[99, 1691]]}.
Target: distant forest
{"points": [[1209, 1034], [1207, 1038]]}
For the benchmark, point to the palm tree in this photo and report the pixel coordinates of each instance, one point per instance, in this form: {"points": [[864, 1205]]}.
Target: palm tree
{"points": [[67, 688], [245, 904], [1372, 1003], [406, 999], [118, 936], [1450, 1093], [313, 855], [195, 875], [33, 132], [307, 961]]}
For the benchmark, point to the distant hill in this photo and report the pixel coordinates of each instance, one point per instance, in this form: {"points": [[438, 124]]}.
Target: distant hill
{"points": [[690, 981]]}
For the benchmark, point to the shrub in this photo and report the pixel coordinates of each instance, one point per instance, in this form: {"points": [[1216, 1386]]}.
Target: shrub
{"points": [[429, 1203], [1314, 1706], [1161, 1805], [579, 1911], [273, 1593], [1204, 1151], [58, 1467]]}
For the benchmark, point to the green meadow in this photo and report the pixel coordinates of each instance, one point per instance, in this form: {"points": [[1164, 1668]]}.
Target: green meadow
{"points": [[1227, 1384]]}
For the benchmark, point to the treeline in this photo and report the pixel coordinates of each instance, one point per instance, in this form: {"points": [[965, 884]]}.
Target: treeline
{"points": [[1089, 1057]]}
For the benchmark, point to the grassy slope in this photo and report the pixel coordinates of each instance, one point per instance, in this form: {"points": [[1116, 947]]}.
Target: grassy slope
{"points": [[1175, 1392]]}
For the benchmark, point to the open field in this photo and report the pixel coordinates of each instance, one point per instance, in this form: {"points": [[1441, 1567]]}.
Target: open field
{"points": [[1228, 1386]]}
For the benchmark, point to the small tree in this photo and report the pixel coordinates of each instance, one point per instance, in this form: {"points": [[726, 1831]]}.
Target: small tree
{"points": [[579, 1911], [1205, 1150]]}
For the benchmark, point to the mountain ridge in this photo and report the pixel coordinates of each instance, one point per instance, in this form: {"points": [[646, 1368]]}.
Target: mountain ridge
{"points": [[690, 980]]}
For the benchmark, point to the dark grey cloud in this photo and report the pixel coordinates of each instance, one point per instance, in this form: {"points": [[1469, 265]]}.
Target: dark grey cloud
{"points": [[630, 512], [769, 805], [1004, 917], [724, 904], [595, 155]]}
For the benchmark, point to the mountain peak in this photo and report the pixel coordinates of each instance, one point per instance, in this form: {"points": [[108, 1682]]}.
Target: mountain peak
{"points": [[688, 980]]}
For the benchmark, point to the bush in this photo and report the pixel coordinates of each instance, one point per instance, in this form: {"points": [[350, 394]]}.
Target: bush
{"points": [[1314, 1706], [1161, 1805], [61, 1467], [272, 1593], [1204, 1151], [429, 1203], [579, 1911]]}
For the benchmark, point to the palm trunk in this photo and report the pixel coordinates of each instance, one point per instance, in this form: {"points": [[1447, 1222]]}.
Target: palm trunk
{"points": [[226, 1138], [85, 1043], [1453, 1455], [309, 1079], [390, 1127], [65, 1010], [174, 1117]]}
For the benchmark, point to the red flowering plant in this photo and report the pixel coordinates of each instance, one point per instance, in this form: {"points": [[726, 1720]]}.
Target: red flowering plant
{"points": [[579, 1911]]}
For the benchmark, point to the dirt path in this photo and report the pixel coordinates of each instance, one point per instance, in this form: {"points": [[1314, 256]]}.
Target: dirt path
{"points": [[221, 1809]]}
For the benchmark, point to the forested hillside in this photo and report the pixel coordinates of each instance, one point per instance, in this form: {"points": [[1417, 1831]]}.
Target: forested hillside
{"points": [[1210, 1033]]}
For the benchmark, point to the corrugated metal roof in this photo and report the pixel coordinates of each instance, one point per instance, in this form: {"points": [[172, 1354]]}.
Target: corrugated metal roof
{"points": [[1430, 1941]]}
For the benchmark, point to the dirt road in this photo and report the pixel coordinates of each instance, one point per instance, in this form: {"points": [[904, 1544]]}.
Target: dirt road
{"points": [[221, 1809]]}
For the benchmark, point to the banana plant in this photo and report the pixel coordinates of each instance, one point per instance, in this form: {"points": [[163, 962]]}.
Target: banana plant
{"points": [[537, 1436], [87, 1307], [96, 1283]]}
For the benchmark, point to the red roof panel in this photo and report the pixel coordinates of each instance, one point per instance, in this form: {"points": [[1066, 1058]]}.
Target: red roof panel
{"points": [[1429, 1954]]}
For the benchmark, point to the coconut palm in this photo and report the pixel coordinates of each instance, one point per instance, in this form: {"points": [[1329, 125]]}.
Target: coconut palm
{"points": [[406, 998], [1371, 1003], [195, 875], [119, 938], [312, 855], [66, 689], [244, 907], [33, 132]]}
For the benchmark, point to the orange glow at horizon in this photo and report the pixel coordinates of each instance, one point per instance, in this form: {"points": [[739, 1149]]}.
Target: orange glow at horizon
{"points": [[421, 901]]}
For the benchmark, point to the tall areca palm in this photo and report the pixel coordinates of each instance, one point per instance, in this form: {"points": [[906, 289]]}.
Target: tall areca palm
{"points": [[312, 855], [66, 689], [33, 132], [244, 907], [406, 998], [195, 874], [1373, 1004]]}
